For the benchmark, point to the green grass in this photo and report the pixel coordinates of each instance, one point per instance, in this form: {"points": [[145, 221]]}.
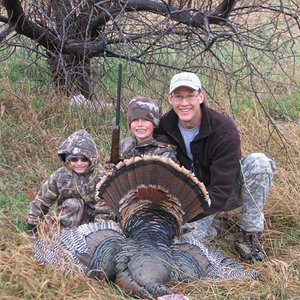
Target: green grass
{"points": [[287, 108], [12, 208], [21, 71]]}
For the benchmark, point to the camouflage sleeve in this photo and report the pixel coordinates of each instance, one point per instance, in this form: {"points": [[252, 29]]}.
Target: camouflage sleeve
{"points": [[122, 147], [45, 198], [167, 151], [127, 146], [171, 155], [102, 212]]}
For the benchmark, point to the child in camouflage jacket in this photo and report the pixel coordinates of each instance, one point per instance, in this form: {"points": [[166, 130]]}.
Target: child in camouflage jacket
{"points": [[143, 117], [71, 187]]}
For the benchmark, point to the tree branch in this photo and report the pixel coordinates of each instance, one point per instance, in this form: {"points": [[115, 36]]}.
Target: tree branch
{"points": [[188, 17], [6, 32], [45, 37]]}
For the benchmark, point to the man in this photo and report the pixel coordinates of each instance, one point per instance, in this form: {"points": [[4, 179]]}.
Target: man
{"points": [[208, 144]]}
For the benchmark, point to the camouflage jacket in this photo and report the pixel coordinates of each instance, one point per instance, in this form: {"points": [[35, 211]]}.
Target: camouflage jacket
{"points": [[65, 183], [130, 148]]}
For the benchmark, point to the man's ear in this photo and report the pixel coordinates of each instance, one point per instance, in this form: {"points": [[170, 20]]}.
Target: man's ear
{"points": [[202, 95], [169, 99]]}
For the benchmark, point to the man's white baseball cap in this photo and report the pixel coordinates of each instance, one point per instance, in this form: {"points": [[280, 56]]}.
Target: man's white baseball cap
{"points": [[187, 79]]}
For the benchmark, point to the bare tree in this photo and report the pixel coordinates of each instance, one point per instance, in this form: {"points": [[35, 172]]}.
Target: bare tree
{"points": [[234, 43]]}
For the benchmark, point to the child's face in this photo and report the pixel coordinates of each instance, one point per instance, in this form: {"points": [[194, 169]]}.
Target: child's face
{"points": [[79, 164], [142, 129]]}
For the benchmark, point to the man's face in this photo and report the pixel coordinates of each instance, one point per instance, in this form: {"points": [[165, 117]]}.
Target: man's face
{"points": [[186, 104]]}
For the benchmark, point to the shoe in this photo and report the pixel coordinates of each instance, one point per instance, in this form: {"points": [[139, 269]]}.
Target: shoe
{"points": [[248, 246]]}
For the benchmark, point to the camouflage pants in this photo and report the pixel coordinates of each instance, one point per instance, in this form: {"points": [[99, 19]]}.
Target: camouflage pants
{"points": [[250, 193], [71, 213]]}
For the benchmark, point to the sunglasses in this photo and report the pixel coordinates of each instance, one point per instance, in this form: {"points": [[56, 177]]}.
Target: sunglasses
{"points": [[81, 158]]}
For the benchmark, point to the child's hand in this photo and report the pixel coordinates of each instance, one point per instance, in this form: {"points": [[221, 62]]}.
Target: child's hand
{"points": [[49, 225], [31, 230]]}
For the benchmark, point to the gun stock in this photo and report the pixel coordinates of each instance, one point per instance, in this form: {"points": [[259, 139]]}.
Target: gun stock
{"points": [[115, 142]]}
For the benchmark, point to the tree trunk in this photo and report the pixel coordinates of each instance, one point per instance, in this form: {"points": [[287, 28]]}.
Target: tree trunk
{"points": [[71, 74]]}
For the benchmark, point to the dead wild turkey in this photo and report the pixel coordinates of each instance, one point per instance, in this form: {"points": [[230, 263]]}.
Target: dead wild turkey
{"points": [[152, 198]]}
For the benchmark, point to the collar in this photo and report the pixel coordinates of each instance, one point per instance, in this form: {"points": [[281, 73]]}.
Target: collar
{"points": [[145, 144]]}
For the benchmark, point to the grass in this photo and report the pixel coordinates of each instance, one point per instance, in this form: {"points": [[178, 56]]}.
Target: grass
{"points": [[286, 107], [32, 125]]}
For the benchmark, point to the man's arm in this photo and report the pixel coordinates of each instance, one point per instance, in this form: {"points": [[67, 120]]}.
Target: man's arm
{"points": [[224, 172]]}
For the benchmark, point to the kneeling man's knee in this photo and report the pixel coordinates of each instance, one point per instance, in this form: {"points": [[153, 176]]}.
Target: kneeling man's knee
{"points": [[259, 163]]}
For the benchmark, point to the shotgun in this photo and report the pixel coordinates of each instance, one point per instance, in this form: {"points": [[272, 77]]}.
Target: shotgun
{"points": [[115, 141]]}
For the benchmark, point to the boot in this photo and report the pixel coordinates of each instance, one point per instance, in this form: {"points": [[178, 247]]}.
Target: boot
{"points": [[248, 246]]}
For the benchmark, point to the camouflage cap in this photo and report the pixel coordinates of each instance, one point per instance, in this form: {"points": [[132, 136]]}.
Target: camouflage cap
{"points": [[143, 108]]}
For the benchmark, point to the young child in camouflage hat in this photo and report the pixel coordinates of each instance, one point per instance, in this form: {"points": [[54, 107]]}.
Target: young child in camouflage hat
{"points": [[143, 117], [71, 187]]}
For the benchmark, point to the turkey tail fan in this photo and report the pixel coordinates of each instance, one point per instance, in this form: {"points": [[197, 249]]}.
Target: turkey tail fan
{"points": [[143, 175]]}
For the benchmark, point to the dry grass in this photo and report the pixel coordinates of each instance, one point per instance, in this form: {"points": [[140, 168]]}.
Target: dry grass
{"points": [[29, 139]]}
